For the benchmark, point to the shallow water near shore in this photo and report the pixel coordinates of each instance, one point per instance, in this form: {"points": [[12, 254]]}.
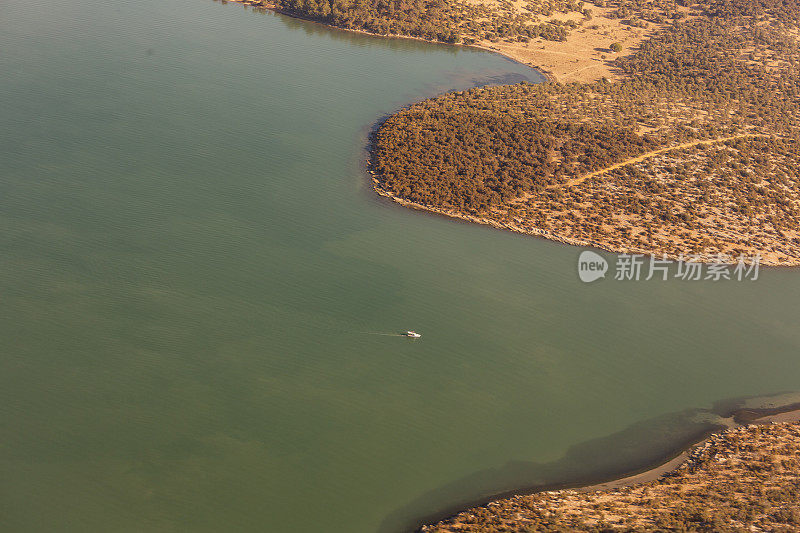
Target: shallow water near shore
{"points": [[194, 273]]}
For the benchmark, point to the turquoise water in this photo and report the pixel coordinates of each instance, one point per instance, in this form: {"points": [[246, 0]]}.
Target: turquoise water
{"points": [[198, 292]]}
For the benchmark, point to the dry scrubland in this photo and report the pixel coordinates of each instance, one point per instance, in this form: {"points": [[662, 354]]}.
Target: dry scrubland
{"points": [[727, 197], [693, 151], [746, 479]]}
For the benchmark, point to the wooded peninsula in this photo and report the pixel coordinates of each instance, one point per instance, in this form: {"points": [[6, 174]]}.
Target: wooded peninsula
{"points": [[694, 151], [680, 140]]}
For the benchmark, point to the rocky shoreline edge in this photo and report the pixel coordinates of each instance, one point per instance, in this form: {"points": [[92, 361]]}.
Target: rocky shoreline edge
{"points": [[537, 232]]}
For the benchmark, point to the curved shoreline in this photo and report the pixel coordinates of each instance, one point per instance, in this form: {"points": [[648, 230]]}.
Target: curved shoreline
{"points": [[740, 417], [268, 6], [549, 77]]}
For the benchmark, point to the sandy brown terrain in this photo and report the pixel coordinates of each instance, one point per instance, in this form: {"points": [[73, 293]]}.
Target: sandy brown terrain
{"points": [[585, 56]]}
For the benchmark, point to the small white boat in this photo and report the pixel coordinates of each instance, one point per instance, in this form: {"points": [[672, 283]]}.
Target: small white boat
{"points": [[413, 334]]}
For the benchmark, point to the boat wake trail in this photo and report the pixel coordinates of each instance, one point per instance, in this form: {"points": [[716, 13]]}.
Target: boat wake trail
{"points": [[411, 334]]}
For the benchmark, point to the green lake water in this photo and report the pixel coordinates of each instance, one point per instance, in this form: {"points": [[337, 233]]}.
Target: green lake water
{"points": [[199, 294]]}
